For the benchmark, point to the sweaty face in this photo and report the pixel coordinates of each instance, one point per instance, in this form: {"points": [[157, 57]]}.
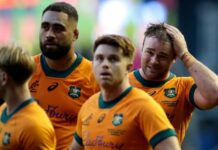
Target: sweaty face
{"points": [[157, 58], [56, 34], [110, 66]]}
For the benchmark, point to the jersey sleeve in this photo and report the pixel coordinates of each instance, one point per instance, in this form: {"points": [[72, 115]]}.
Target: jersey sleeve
{"points": [[78, 134], [38, 137], [190, 87], [154, 123]]}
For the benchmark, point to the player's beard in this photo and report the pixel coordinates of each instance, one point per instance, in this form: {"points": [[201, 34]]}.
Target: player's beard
{"points": [[55, 53]]}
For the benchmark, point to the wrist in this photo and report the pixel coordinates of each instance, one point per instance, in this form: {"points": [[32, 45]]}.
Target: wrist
{"points": [[187, 59], [181, 55]]}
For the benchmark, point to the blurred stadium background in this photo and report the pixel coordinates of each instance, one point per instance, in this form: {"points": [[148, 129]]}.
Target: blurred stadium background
{"points": [[198, 21]]}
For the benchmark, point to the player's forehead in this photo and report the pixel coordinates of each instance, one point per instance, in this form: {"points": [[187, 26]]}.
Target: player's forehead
{"points": [[107, 50], [54, 17], [157, 45]]}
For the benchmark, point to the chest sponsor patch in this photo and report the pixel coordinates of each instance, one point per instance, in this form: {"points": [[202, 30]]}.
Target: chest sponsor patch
{"points": [[6, 138], [171, 92], [74, 92], [118, 119]]}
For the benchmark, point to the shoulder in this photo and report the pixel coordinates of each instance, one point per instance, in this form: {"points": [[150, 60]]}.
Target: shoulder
{"points": [[132, 74], [137, 93], [92, 102], [92, 99], [143, 101], [86, 60], [37, 58], [36, 121], [86, 63], [183, 82], [35, 115], [37, 133], [82, 65], [139, 99]]}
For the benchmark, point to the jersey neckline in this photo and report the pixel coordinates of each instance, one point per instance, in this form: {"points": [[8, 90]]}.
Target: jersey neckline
{"points": [[147, 83], [5, 117], [59, 74], [103, 104]]}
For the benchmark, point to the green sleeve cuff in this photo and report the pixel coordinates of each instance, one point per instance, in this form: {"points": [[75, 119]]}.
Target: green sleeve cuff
{"points": [[191, 96], [78, 139], [161, 136]]}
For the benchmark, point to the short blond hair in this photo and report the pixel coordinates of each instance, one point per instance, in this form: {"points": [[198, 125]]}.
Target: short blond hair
{"points": [[16, 62]]}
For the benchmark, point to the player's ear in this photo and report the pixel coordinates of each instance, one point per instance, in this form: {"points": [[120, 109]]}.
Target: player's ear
{"points": [[76, 34], [130, 67], [3, 78]]}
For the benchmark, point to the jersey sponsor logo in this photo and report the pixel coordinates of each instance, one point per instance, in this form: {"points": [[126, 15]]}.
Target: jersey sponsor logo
{"points": [[87, 120], [100, 142], [101, 118], [74, 92], [171, 92], [33, 86], [169, 103], [151, 92], [6, 138], [53, 86], [53, 112], [116, 132], [118, 119]]}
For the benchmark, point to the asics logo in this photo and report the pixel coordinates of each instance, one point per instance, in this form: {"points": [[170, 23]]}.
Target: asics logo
{"points": [[53, 86]]}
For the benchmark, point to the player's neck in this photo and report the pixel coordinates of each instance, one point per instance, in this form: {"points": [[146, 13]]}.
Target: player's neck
{"points": [[63, 63], [15, 96], [111, 93], [159, 79]]}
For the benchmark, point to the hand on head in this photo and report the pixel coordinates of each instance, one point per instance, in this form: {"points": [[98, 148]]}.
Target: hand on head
{"points": [[179, 43]]}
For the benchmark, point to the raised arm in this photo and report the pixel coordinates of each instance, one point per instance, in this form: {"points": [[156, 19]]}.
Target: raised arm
{"points": [[206, 93], [170, 143], [76, 146]]}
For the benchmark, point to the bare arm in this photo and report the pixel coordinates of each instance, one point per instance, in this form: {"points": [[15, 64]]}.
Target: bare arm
{"points": [[170, 143], [206, 94], [76, 146]]}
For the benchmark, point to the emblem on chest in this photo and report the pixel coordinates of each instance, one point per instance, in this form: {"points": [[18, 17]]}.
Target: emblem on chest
{"points": [[118, 119], [74, 92], [171, 92], [6, 138]]}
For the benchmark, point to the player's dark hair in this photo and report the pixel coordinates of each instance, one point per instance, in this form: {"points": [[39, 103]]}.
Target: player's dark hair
{"points": [[63, 7], [157, 31]]}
